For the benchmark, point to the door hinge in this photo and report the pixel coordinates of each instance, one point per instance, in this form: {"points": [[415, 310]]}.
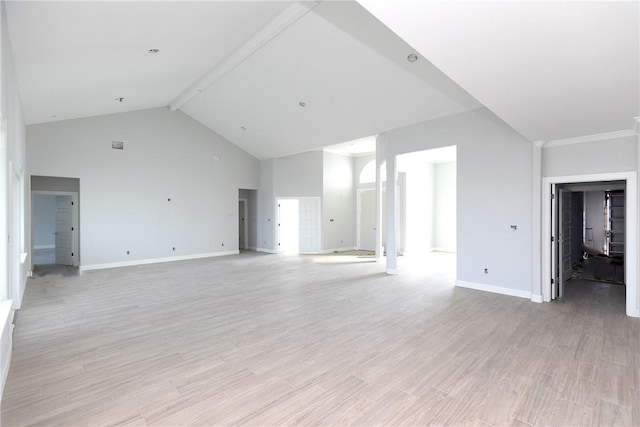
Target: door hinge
{"points": [[71, 253], [552, 281], [553, 196], [71, 228], [553, 239], [71, 203]]}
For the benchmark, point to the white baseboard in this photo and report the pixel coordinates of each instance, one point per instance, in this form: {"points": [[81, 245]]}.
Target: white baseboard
{"points": [[391, 271], [252, 248], [494, 289], [269, 251], [37, 247], [536, 298], [155, 260], [446, 250]]}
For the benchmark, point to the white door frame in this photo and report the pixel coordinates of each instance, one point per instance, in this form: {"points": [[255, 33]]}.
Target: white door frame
{"points": [[75, 220], [16, 252], [631, 244], [246, 220]]}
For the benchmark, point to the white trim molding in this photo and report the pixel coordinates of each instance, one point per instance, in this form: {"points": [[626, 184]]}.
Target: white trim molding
{"points": [[631, 228], [281, 22], [494, 289], [590, 138], [154, 260], [536, 298], [267, 250]]}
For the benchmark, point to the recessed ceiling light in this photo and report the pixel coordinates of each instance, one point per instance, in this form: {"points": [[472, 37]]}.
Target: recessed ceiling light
{"points": [[412, 57], [302, 104], [119, 99], [153, 51], [243, 128]]}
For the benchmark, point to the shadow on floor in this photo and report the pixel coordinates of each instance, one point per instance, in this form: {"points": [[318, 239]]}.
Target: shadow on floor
{"points": [[54, 269]]}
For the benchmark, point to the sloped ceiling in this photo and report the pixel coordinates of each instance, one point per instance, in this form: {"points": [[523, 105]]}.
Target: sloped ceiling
{"points": [[551, 69], [349, 70], [73, 59]]}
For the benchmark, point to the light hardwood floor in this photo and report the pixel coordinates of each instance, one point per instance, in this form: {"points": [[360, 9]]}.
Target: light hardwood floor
{"points": [[259, 339]]}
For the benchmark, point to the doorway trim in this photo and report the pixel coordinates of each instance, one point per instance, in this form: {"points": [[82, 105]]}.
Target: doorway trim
{"points": [[631, 244], [75, 219]]}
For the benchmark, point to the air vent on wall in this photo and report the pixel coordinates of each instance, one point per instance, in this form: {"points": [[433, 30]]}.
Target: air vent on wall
{"points": [[117, 145]]}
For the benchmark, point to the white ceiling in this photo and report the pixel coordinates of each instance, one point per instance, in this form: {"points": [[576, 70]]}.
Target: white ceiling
{"points": [[416, 161], [550, 69], [356, 147], [74, 58], [350, 71]]}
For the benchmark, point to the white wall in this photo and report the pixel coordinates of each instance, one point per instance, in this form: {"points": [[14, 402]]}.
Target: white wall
{"points": [[12, 152], [494, 178], [299, 175], [444, 216], [165, 189], [612, 155], [594, 218], [43, 220], [266, 208], [338, 203]]}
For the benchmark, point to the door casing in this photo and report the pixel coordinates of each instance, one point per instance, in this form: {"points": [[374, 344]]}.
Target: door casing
{"points": [[631, 247]]}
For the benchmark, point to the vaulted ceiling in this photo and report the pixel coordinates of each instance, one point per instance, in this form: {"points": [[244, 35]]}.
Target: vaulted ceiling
{"points": [[278, 78], [550, 69]]}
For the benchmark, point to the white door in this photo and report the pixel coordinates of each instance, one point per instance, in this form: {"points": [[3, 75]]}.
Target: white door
{"points": [[64, 230], [309, 235], [288, 225], [368, 220]]}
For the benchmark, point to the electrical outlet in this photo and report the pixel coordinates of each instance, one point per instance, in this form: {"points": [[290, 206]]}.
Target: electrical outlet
{"points": [[486, 271], [174, 248], [223, 244], [128, 253]]}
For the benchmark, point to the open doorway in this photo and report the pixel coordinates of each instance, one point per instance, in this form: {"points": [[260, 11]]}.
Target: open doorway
{"points": [[55, 221], [590, 237], [54, 228], [428, 214], [247, 219], [298, 225]]}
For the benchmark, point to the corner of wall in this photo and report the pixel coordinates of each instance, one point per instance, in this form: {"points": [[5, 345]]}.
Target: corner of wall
{"points": [[6, 341]]}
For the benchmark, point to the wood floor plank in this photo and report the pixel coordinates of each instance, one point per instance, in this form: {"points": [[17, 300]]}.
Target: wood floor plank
{"points": [[258, 339]]}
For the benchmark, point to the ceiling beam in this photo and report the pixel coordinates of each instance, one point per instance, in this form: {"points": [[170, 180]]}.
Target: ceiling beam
{"points": [[267, 33]]}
